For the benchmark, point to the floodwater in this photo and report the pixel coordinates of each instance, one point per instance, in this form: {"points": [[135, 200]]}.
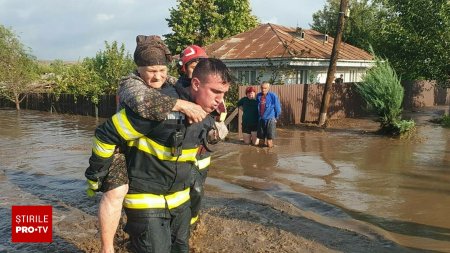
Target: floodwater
{"points": [[394, 191]]}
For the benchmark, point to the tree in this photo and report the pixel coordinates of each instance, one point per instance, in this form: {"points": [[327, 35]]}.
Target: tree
{"points": [[94, 76], [18, 68], [80, 80], [415, 36], [202, 22], [343, 7], [325, 20], [111, 65], [236, 17], [361, 26], [383, 94]]}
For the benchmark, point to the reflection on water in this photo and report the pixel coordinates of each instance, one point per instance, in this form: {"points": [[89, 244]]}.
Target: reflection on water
{"points": [[400, 188], [395, 189], [42, 160]]}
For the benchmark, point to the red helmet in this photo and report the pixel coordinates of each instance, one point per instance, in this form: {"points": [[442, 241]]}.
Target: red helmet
{"points": [[190, 54]]}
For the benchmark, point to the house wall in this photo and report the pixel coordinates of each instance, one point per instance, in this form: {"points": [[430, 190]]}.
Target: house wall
{"points": [[297, 75]]}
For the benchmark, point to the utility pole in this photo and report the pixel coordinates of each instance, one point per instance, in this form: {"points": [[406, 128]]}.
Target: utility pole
{"points": [[332, 68]]}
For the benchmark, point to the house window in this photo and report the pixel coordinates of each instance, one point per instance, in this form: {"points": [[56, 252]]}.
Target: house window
{"points": [[246, 76], [298, 77], [352, 75], [303, 76]]}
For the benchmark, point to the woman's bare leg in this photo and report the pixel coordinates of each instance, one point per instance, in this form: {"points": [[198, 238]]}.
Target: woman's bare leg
{"points": [[246, 138], [255, 140], [109, 213]]}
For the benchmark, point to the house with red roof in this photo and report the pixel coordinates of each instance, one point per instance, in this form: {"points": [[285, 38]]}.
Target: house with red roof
{"points": [[286, 55]]}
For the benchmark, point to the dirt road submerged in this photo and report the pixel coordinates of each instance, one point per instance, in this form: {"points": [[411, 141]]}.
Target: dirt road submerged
{"points": [[314, 192]]}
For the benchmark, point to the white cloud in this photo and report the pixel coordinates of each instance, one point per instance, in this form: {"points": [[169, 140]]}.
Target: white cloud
{"points": [[104, 17], [71, 30]]}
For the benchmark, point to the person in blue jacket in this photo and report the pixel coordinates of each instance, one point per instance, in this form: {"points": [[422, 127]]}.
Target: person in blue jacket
{"points": [[269, 110]]}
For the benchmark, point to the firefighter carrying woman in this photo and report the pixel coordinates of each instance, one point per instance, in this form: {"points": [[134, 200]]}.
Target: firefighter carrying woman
{"points": [[162, 138]]}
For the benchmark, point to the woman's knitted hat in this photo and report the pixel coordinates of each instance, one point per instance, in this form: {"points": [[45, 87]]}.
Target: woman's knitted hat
{"points": [[151, 50]]}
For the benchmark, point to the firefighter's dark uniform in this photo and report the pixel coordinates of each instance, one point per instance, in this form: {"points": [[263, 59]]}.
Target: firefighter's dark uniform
{"points": [[200, 172], [160, 159], [149, 103]]}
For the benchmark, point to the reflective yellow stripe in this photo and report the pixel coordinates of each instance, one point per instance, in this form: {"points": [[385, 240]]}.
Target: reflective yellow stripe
{"points": [[161, 152], [223, 116], [102, 149], [194, 219], [146, 200], [203, 163], [123, 126], [92, 185]]}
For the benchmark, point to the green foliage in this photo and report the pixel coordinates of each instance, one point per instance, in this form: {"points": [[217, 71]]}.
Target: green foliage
{"points": [[57, 67], [416, 38], [236, 17], [383, 93], [203, 22], [232, 96], [111, 65], [413, 34], [445, 121], [401, 127], [95, 76], [360, 27], [92, 77], [79, 80], [325, 20], [18, 68]]}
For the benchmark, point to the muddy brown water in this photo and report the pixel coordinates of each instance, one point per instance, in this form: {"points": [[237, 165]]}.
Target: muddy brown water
{"points": [[396, 192]]}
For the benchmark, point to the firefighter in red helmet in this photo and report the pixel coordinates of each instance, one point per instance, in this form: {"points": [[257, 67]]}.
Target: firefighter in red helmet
{"points": [[189, 58]]}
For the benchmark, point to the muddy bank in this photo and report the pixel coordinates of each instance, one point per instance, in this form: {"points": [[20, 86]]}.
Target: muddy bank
{"points": [[237, 224], [341, 189]]}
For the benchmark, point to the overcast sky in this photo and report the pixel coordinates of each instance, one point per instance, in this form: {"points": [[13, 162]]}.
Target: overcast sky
{"points": [[74, 29]]}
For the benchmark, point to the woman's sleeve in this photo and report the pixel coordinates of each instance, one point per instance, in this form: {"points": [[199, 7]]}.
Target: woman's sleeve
{"points": [[147, 102]]}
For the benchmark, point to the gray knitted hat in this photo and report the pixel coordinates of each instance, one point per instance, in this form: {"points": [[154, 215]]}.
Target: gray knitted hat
{"points": [[151, 50]]}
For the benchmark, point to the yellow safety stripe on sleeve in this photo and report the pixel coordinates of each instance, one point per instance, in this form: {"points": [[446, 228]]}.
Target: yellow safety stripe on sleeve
{"points": [[102, 149], [92, 185], [162, 152], [203, 163], [194, 219], [123, 126], [146, 200]]}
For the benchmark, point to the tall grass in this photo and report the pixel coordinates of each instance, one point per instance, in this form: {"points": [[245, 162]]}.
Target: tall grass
{"points": [[383, 93]]}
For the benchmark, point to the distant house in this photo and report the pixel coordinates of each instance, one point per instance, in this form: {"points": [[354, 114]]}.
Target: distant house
{"points": [[287, 55]]}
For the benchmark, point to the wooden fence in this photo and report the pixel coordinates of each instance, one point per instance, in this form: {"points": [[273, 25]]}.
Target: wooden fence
{"points": [[67, 103], [300, 103]]}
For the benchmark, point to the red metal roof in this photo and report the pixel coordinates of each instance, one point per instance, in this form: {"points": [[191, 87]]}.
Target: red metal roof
{"points": [[276, 41]]}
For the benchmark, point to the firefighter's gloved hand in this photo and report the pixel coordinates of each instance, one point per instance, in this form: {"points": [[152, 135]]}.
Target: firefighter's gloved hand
{"points": [[212, 137], [222, 130], [218, 133], [94, 180], [221, 112], [93, 186]]}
